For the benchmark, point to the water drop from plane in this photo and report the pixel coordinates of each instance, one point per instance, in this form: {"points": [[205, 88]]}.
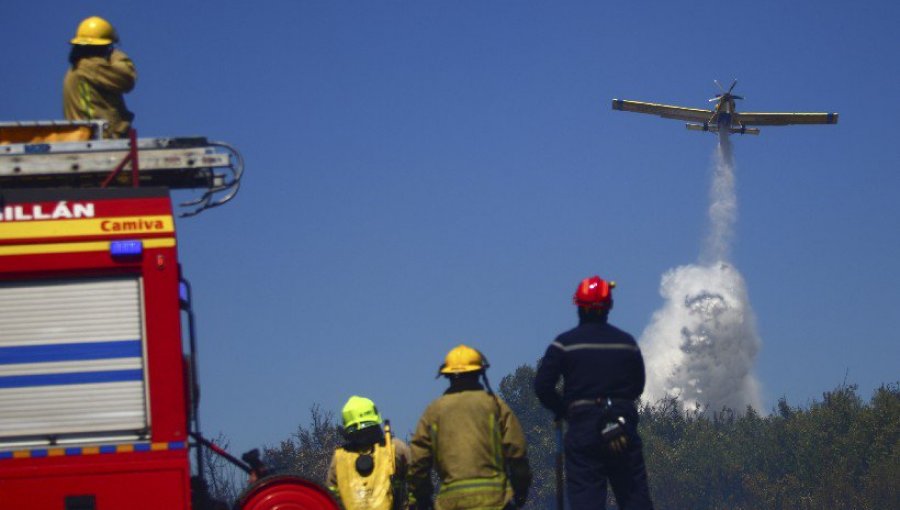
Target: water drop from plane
{"points": [[701, 345]]}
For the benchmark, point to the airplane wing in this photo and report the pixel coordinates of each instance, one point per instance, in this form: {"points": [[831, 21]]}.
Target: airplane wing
{"points": [[783, 119], [663, 110]]}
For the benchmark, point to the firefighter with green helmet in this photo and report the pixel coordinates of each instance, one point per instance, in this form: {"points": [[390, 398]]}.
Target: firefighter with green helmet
{"points": [[99, 75], [368, 472], [472, 440]]}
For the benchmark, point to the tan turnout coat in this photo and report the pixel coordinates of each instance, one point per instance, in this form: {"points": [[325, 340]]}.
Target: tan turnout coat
{"points": [[468, 437], [94, 89]]}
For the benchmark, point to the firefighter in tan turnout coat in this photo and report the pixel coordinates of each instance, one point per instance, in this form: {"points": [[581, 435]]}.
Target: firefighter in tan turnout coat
{"points": [[99, 75], [472, 440]]}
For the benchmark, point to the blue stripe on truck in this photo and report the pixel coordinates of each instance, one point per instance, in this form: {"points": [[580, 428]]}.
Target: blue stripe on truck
{"points": [[107, 376], [93, 450], [70, 352]]}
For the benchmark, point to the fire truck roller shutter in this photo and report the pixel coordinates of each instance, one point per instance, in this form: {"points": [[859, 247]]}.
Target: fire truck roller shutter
{"points": [[71, 358]]}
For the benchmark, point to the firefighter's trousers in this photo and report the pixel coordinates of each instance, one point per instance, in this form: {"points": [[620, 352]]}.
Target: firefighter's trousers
{"points": [[589, 465]]}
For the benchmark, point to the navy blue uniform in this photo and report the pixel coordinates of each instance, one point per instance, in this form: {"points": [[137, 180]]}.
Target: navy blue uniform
{"points": [[598, 362]]}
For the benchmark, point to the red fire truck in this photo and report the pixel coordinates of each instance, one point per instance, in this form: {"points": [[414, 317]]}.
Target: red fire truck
{"points": [[97, 400]]}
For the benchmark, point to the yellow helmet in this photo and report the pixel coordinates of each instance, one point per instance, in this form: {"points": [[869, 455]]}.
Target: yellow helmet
{"points": [[95, 31], [462, 359], [359, 413]]}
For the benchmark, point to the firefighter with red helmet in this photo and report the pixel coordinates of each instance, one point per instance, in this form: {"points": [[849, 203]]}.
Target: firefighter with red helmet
{"points": [[472, 440], [603, 376], [98, 77]]}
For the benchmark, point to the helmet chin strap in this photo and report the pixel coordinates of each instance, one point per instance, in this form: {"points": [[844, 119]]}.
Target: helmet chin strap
{"points": [[487, 384], [490, 391]]}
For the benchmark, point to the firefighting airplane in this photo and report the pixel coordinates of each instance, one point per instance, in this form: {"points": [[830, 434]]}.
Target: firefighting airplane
{"points": [[724, 118]]}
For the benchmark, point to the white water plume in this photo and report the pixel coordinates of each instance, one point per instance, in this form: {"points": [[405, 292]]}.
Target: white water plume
{"points": [[722, 205], [702, 344]]}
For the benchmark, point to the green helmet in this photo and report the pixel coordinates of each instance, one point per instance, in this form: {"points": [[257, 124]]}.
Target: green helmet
{"points": [[359, 413]]}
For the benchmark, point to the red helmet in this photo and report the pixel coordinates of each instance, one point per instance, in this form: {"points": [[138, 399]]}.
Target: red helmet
{"points": [[594, 292]]}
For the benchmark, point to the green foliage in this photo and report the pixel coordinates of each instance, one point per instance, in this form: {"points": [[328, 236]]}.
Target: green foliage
{"points": [[308, 452], [224, 481], [517, 390], [305, 453], [840, 452]]}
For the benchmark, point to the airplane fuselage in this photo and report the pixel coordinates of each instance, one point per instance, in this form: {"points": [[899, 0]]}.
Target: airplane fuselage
{"points": [[724, 121], [725, 114]]}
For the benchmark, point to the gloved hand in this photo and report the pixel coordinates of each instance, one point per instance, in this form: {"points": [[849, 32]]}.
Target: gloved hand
{"points": [[615, 436], [619, 445]]}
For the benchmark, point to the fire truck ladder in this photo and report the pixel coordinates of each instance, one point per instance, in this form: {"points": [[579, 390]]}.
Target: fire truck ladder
{"points": [[175, 163]]}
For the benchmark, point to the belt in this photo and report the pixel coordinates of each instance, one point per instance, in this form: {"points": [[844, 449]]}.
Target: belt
{"points": [[599, 401]]}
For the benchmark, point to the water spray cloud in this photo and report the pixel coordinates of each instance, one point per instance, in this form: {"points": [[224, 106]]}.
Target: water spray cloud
{"points": [[702, 344]]}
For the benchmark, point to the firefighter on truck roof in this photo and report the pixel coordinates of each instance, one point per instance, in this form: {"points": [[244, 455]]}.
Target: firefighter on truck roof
{"points": [[472, 440], [99, 75], [603, 375], [369, 471]]}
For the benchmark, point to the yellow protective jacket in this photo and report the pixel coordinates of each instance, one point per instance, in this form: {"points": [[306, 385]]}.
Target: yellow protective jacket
{"points": [[375, 491], [94, 87], [476, 445]]}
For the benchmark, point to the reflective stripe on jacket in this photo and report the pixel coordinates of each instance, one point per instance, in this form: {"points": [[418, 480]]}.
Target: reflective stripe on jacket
{"points": [[480, 493], [94, 89], [596, 360]]}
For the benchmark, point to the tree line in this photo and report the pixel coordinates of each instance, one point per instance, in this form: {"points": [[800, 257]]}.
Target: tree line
{"points": [[838, 452]]}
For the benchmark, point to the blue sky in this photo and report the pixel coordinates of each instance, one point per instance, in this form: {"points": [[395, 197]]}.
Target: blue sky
{"points": [[421, 174]]}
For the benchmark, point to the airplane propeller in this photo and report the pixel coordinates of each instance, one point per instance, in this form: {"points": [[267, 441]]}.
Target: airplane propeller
{"points": [[727, 94]]}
